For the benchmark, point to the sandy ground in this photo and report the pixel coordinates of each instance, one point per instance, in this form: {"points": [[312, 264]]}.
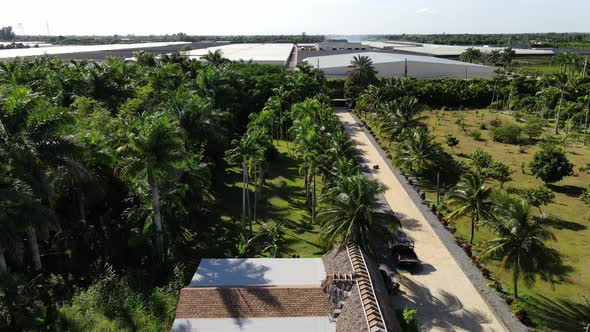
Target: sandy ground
{"points": [[441, 292]]}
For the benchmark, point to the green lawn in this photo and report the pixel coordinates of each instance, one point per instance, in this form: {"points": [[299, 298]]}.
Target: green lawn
{"points": [[573, 227], [283, 200], [573, 230], [535, 64]]}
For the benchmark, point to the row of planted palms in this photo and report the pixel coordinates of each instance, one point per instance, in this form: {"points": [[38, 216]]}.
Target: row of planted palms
{"points": [[520, 236], [344, 206]]}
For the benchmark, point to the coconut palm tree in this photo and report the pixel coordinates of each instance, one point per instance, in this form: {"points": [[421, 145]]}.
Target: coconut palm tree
{"points": [[520, 244], [471, 197], [405, 114], [215, 58], [363, 72], [152, 148], [349, 213], [470, 55], [418, 152]]}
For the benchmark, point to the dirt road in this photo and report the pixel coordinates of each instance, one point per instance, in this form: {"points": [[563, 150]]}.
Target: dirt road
{"points": [[445, 298]]}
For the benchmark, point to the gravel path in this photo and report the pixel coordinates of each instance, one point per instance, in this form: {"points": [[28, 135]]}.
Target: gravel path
{"points": [[442, 292]]}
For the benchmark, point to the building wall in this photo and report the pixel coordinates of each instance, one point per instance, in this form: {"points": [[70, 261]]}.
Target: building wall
{"points": [[420, 70], [341, 46]]}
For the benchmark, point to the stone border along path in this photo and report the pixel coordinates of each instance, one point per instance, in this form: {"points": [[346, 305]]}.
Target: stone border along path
{"points": [[449, 293]]}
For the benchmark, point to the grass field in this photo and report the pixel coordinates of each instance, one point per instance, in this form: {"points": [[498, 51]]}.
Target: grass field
{"points": [[283, 199], [573, 227], [535, 64]]}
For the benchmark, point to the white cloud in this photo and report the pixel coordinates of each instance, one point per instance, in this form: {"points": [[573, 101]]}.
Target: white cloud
{"points": [[425, 11]]}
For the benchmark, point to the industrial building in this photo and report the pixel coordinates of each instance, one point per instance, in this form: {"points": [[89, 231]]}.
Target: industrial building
{"points": [[344, 291], [399, 65], [448, 50], [261, 53]]}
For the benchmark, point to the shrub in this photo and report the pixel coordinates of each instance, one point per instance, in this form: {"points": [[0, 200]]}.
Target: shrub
{"points": [[495, 123], [481, 159], [407, 319], [475, 134], [483, 126], [452, 141], [499, 171], [533, 127], [508, 134], [550, 164]]}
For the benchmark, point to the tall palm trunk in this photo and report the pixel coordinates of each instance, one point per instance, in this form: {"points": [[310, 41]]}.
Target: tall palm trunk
{"points": [[155, 193], [313, 202], [3, 267], [256, 177], [34, 247], [248, 209], [515, 280], [306, 180], [558, 113], [472, 229], [244, 184]]}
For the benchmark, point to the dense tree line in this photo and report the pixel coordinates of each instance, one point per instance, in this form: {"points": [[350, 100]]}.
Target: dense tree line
{"points": [[107, 177], [181, 36], [7, 34], [521, 39]]}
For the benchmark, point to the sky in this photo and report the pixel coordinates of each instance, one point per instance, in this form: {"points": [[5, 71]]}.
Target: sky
{"points": [[247, 17]]}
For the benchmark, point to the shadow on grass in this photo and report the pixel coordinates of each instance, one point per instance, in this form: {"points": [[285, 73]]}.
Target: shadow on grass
{"points": [[561, 315], [570, 225], [569, 190]]}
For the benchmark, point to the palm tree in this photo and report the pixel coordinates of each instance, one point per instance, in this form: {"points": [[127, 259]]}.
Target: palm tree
{"points": [[470, 55], [215, 58], [520, 244], [562, 83], [418, 152], [350, 213], [471, 197], [363, 72], [404, 115], [152, 148]]}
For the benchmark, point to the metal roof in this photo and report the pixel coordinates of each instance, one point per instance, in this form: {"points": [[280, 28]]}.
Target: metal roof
{"points": [[256, 52], [270, 324], [259, 272], [54, 50], [343, 60]]}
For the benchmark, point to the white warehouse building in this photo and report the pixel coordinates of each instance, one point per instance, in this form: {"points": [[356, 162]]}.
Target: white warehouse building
{"points": [[399, 65], [261, 53]]}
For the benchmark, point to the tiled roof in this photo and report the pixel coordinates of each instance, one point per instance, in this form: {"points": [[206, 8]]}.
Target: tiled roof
{"points": [[225, 302]]}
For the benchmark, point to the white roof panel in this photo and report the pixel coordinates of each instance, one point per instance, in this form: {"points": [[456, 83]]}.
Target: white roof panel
{"points": [[259, 272], [283, 324], [257, 52], [51, 50]]}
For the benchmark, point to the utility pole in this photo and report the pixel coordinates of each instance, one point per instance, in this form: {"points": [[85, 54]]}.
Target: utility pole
{"points": [[406, 67]]}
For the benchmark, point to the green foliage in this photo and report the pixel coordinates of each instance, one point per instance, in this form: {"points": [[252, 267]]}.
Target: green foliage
{"points": [[550, 164], [585, 196], [481, 159], [520, 243], [533, 127], [451, 140], [110, 304], [499, 171], [536, 197], [495, 123], [407, 319], [509, 133], [475, 134]]}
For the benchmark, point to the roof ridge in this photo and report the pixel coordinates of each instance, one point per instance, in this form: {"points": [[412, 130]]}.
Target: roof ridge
{"points": [[375, 323]]}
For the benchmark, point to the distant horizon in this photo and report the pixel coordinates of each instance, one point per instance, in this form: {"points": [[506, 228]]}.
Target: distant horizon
{"points": [[281, 17]]}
